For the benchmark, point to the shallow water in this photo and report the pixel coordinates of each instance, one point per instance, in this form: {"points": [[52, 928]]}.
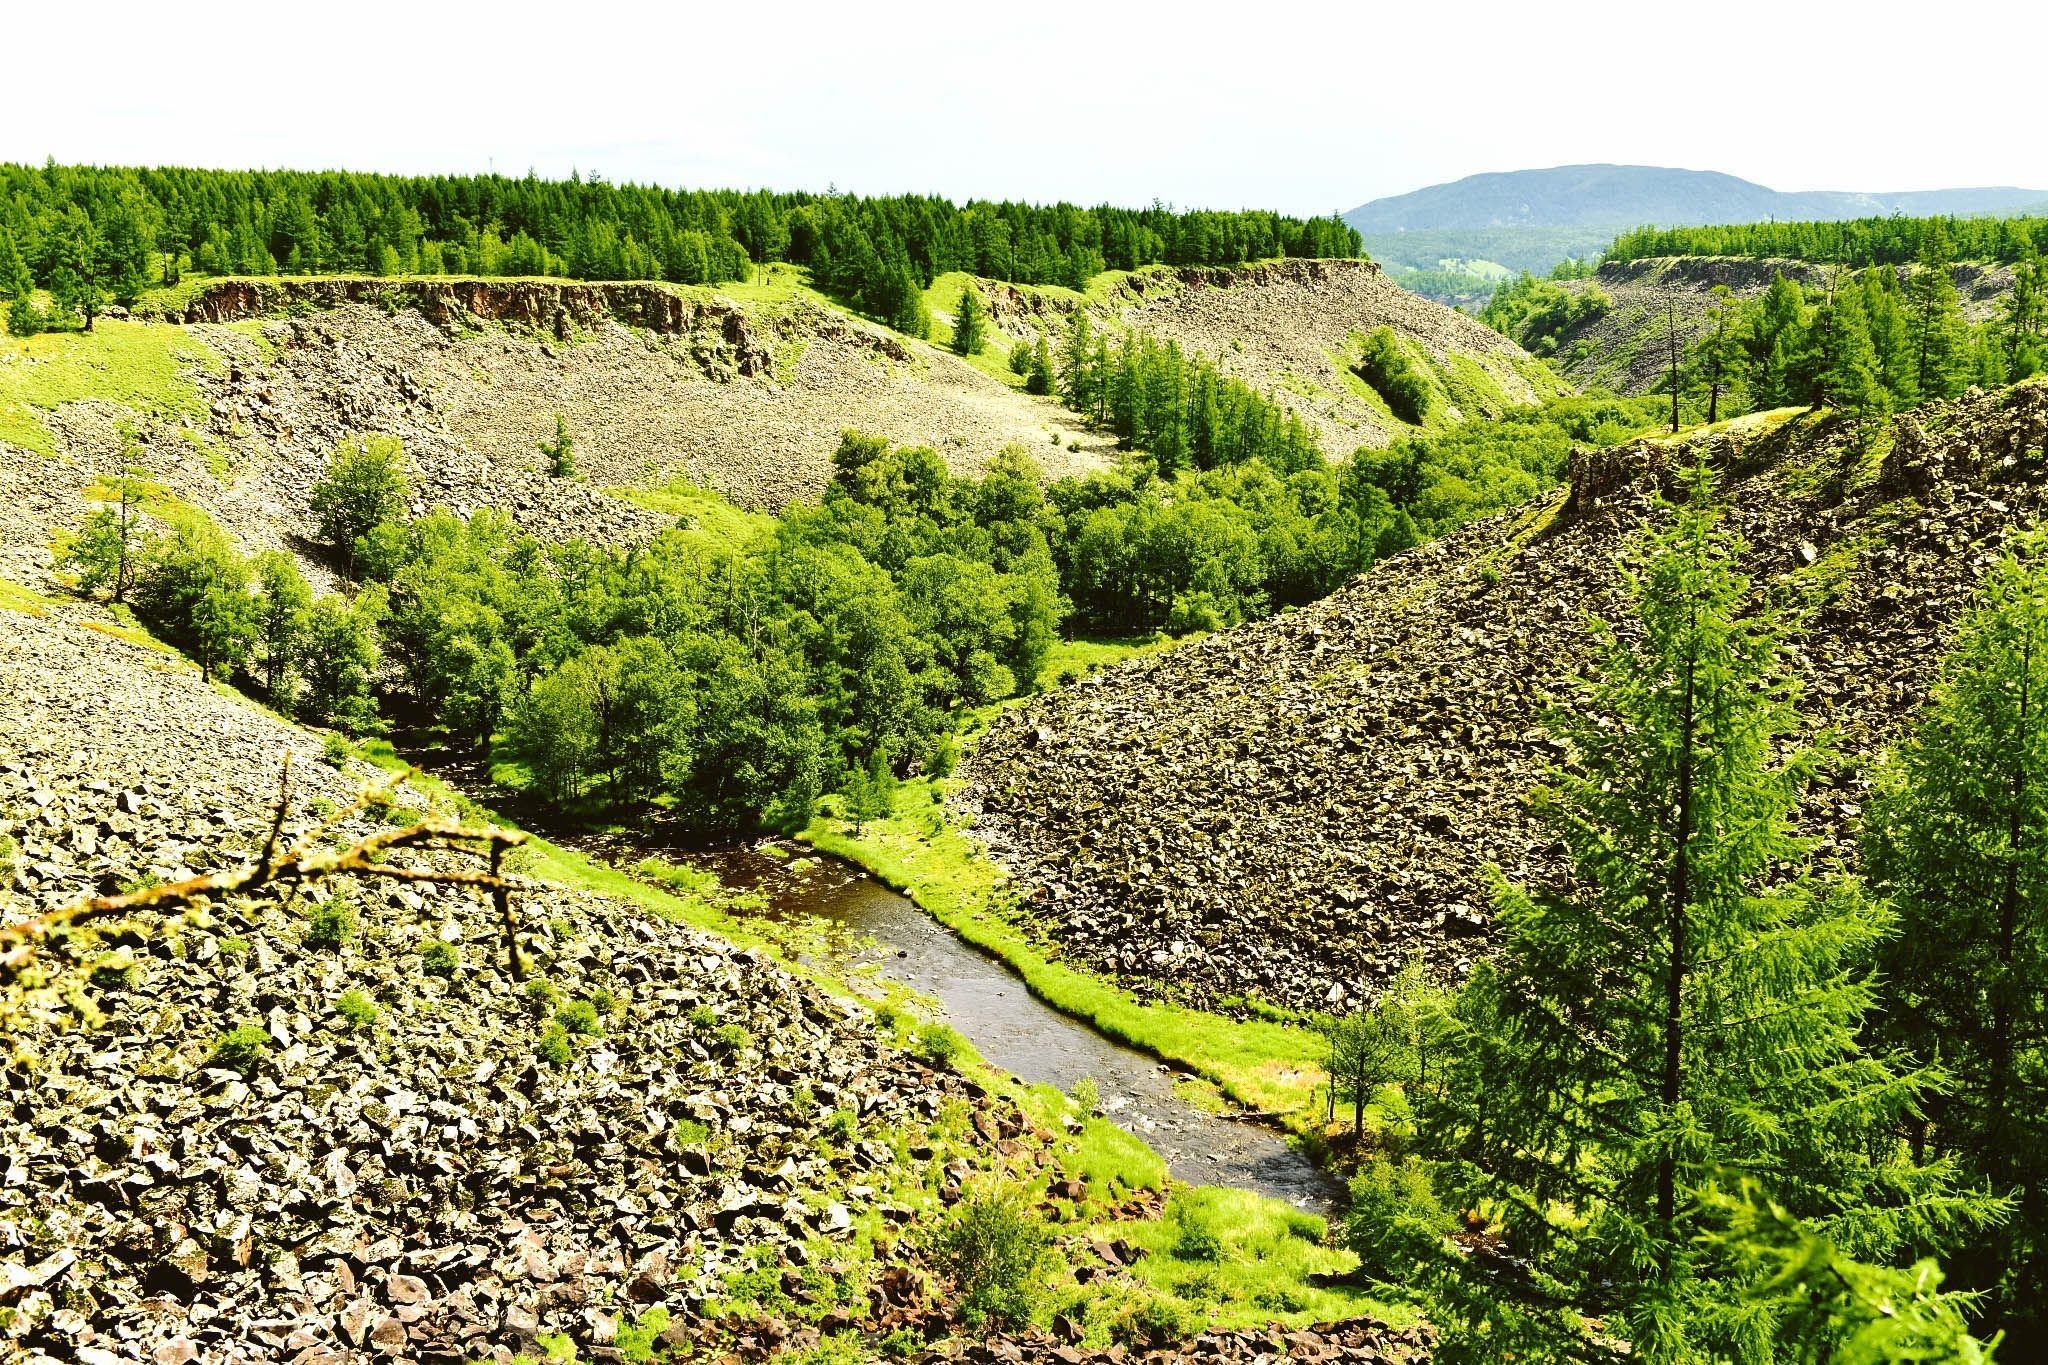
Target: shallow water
{"points": [[864, 921]]}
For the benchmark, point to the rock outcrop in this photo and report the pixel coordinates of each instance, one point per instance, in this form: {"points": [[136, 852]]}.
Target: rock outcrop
{"points": [[1291, 809]]}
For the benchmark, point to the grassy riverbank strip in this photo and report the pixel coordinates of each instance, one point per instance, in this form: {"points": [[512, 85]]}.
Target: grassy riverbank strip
{"points": [[1271, 1067]]}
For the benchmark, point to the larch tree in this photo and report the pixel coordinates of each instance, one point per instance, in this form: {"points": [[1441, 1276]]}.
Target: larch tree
{"points": [[1959, 842], [969, 323], [1682, 1011]]}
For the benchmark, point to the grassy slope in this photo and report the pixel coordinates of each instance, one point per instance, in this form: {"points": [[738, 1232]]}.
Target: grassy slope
{"points": [[141, 366], [708, 519]]}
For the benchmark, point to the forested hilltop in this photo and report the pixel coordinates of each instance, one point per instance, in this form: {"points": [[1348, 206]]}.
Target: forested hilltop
{"points": [[94, 234], [1858, 241], [1875, 315]]}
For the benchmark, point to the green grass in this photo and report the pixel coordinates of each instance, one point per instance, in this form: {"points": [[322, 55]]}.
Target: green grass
{"points": [[1072, 658], [1265, 1266], [708, 519], [141, 366], [1271, 1067], [14, 597]]}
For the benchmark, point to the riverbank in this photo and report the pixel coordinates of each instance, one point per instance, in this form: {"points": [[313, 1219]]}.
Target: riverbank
{"points": [[1272, 1068]]}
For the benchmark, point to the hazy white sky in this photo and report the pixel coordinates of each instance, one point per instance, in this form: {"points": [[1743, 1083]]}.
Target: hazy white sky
{"points": [[1302, 106]]}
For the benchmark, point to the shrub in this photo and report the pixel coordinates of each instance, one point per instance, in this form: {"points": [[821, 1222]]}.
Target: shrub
{"points": [[637, 1340], [938, 1044], [1195, 1238], [579, 1017], [539, 994], [734, 1037], [691, 1133], [991, 1245], [241, 1048], [703, 1017], [331, 923], [603, 1001], [115, 971], [1395, 1222], [233, 946], [554, 1047], [336, 751], [843, 1125], [1087, 1096], [439, 957], [1152, 1321], [358, 1009]]}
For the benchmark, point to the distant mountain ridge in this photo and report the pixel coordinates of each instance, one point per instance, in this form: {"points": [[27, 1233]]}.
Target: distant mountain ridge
{"points": [[1630, 196]]}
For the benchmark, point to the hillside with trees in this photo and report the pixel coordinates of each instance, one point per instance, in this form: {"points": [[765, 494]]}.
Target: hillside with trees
{"points": [[93, 236]]}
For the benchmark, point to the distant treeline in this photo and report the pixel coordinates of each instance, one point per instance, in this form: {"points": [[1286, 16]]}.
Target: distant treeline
{"points": [[113, 232], [1858, 241]]}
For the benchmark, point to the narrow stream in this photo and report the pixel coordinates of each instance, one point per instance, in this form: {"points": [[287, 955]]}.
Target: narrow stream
{"points": [[865, 922]]}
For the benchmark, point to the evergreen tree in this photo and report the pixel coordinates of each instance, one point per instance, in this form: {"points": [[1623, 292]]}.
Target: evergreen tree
{"points": [[77, 281], [2022, 317], [1686, 1006], [1939, 336], [15, 280], [1078, 381], [106, 553], [1039, 378], [1959, 841], [1848, 376], [1717, 351], [561, 451], [968, 323], [1773, 323]]}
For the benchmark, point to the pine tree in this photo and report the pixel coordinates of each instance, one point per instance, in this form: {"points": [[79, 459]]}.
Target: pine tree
{"points": [[967, 323], [1959, 841], [561, 451], [1686, 1005], [1849, 371]]}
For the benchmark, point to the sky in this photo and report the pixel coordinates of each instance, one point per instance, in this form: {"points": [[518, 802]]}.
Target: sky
{"points": [[1304, 107]]}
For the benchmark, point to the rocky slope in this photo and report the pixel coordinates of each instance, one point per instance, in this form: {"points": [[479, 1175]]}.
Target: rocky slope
{"points": [[654, 383], [1292, 328], [1624, 348], [425, 1186], [1291, 809]]}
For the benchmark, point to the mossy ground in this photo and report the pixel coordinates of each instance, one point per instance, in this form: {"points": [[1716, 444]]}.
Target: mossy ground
{"points": [[705, 517]]}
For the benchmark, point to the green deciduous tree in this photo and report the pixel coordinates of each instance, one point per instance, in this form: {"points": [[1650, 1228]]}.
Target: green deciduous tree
{"points": [[196, 591], [338, 659], [1687, 1006], [281, 625], [107, 551], [365, 487]]}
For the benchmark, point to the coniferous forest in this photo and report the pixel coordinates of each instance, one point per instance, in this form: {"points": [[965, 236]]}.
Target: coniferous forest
{"points": [[93, 234]]}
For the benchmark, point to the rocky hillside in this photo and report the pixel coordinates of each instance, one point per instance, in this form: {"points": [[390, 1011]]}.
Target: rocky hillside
{"points": [[1293, 328], [1624, 348], [394, 1168], [242, 390], [1291, 809]]}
